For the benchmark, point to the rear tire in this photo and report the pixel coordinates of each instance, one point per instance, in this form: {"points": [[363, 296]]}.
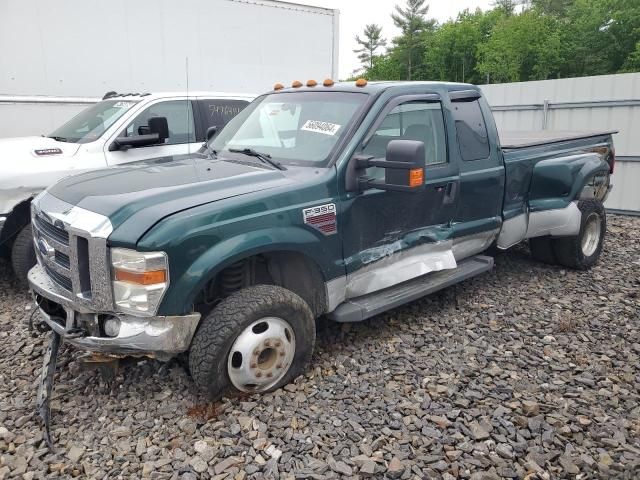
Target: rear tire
{"points": [[542, 250], [255, 341], [23, 255], [582, 251]]}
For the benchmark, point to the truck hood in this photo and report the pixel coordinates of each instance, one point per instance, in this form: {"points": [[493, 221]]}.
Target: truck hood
{"points": [[143, 193], [34, 149], [30, 164]]}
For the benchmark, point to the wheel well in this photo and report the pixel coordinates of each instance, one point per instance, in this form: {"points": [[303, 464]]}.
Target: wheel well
{"points": [[19, 218], [291, 270]]}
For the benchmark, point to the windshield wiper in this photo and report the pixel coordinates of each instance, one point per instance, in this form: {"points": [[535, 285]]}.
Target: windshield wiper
{"points": [[263, 157], [59, 139]]}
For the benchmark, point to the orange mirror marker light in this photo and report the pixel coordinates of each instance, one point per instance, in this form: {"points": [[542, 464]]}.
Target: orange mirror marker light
{"points": [[361, 82], [141, 278], [278, 86], [311, 83], [328, 82], [416, 177], [296, 84]]}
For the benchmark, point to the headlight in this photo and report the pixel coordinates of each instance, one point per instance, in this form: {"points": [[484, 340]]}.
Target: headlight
{"points": [[139, 280]]}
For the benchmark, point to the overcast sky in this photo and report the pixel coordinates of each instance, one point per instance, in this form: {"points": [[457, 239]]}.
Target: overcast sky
{"points": [[355, 14]]}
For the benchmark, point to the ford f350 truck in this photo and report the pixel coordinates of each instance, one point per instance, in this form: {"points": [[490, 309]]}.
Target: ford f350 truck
{"points": [[114, 131], [342, 200]]}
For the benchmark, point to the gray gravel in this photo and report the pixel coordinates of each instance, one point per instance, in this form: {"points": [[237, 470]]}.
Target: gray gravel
{"points": [[529, 371]]}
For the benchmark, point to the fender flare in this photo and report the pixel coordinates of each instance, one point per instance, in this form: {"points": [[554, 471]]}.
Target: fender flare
{"points": [[231, 250]]}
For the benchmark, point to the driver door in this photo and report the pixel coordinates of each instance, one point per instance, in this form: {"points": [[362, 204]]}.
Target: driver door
{"points": [[391, 237], [182, 133]]}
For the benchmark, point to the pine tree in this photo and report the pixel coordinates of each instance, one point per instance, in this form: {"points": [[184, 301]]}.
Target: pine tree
{"points": [[412, 23], [371, 42]]}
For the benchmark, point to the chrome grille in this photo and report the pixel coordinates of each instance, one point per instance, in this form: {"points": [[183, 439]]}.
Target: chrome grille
{"points": [[71, 246], [61, 280], [58, 233]]}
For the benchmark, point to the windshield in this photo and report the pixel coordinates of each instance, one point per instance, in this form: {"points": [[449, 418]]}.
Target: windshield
{"points": [[297, 128], [91, 123]]}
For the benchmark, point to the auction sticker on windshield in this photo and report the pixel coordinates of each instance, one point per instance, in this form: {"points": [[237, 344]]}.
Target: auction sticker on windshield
{"points": [[123, 104], [320, 127]]}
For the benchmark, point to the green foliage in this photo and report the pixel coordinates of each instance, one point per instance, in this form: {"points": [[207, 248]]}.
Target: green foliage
{"points": [[372, 41], [543, 39], [415, 30], [521, 47]]}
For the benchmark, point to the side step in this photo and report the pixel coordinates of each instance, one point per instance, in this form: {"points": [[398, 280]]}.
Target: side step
{"points": [[366, 306]]}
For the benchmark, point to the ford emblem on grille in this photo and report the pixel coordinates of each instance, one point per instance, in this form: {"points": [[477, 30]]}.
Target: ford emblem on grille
{"points": [[45, 249]]}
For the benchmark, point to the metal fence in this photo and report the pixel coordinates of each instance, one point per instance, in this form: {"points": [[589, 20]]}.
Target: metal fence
{"points": [[607, 102]]}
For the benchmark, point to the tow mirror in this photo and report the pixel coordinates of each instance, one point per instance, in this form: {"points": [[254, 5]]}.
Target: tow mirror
{"points": [[211, 131], [160, 126], [403, 164], [125, 143]]}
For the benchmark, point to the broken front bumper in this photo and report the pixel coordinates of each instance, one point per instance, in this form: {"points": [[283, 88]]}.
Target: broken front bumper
{"points": [[161, 336]]}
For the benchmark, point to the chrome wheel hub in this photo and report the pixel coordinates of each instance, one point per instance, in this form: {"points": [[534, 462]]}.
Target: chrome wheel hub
{"points": [[591, 235], [261, 355]]}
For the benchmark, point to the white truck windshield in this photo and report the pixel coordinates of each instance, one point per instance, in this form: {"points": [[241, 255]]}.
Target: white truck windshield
{"points": [[293, 128], [90, 124]]}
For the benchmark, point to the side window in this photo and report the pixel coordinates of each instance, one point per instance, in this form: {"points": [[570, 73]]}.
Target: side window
{"points": [[179, 118], [218, 112], [471, 130], [422, 121]]}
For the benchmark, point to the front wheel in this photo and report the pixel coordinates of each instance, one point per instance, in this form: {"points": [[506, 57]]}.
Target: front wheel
{"points": [[23, 255], [583, 250], [256, 340]]}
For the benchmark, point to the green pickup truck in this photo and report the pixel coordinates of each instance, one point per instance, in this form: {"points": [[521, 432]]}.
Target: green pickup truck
{"points": [[341, 200]]}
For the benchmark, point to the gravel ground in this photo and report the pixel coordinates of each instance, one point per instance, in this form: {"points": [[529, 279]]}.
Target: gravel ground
{"points": [[529, 371]]}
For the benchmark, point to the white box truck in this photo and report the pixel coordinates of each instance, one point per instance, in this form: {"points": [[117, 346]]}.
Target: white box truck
{"points": [[59, 56]]}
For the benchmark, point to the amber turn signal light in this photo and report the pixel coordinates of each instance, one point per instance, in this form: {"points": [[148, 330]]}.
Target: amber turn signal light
{"points": [[278, 86], [141, 278], [311, 83], [328, 82], [361, 82], [296, 84], [416, 177]]}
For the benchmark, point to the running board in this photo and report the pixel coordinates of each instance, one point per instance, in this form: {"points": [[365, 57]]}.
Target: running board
{"points": [[366, 306]]}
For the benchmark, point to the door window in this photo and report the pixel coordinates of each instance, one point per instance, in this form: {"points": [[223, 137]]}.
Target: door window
{"points": [[421, 121], [217, 112], [471, 130], [179, 117]]}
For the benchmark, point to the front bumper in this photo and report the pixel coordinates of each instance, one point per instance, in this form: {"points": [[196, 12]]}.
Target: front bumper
{"points": [[161, 337]]}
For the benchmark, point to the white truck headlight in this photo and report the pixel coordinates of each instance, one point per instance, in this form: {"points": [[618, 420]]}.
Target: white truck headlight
{"points": [[139, 280]]}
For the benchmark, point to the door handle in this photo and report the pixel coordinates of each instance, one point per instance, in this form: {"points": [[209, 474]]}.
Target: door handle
{"points": [[450, 189]]}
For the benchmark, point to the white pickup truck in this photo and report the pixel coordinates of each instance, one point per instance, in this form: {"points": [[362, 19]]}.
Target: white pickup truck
{"points": [[122, 128]]}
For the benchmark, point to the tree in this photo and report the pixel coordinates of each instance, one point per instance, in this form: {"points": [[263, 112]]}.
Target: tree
{"points": [[521, 48], [372, 41], [508, 7], [633, 61], [412, 23], [453, 52]]}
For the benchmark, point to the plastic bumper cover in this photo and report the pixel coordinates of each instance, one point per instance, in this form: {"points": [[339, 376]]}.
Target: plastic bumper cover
{"points": [[161, 336]]}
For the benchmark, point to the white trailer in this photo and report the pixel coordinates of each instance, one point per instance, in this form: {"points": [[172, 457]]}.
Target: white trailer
{"points": [[58, 57]]}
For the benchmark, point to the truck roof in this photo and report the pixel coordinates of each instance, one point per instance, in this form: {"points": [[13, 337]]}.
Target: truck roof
{"points": [[378, 86], [155, 95]]}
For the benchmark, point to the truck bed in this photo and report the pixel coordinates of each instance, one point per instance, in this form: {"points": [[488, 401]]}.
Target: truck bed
{"points": [[512, 140]]}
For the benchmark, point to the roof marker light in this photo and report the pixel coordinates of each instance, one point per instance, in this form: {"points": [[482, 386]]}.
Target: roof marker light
{"points": [[278, 86], [311, 83], [361, 82], [328, 82], [296, 84]]}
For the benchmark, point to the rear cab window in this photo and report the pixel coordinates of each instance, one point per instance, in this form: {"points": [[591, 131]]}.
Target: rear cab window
{"points": [[471, 129]]}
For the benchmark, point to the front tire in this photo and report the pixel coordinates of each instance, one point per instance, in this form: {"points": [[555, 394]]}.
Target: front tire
{"points": [[255, 341], [23, 255], [582, 251]]}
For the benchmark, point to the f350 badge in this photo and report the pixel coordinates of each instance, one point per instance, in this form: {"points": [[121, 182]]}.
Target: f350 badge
{"points": [[323, 218]]}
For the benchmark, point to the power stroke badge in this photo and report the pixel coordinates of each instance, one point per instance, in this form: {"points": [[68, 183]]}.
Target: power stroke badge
{"points": [[323, 218]]}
